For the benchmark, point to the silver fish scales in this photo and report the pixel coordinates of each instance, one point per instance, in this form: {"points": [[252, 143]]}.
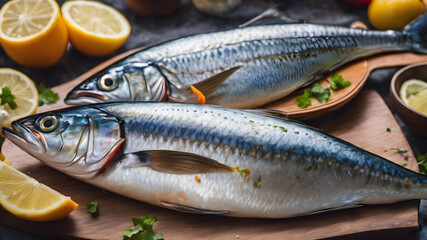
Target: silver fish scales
{"points": [[241, 68], [153, 152]]}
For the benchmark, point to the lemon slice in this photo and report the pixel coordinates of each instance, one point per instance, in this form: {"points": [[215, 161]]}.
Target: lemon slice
{"points": [[25, 92], [419, 101], [28, 199], [411, 87], [95, 29], [32, 32]]}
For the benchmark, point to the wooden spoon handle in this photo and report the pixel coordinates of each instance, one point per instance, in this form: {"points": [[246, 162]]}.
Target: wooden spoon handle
{"points": [[394, 60]]}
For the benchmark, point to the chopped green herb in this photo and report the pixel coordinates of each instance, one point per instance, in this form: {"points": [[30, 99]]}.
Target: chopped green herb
{"points": [[92, 207], [405, 164], [142, 230], [275, 126], [257, 182], [293, 149], [46, 95], [320, 93], [337, 82], [312, 167], [304, 100], [6, 96], [296, 132], [399, 150], [251, 121], [422, 162], [283, 154], [283, 129], [388, 130]]}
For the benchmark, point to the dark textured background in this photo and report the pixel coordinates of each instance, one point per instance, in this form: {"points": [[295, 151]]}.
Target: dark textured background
{"points": [[186, 21]]}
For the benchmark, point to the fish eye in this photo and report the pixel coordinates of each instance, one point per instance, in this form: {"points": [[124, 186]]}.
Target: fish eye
{"points": [[48, 123], [107, 83]]}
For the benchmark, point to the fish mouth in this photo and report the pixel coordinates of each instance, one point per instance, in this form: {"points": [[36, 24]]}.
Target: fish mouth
{"points": [[25, 138], [84, 97]]}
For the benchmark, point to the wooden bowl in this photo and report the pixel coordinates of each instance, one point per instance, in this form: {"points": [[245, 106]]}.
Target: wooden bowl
{"points": [[150, 8], [413, 119]]}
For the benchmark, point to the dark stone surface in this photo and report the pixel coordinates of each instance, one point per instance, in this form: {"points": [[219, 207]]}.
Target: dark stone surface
{"points": [[186, 21]]}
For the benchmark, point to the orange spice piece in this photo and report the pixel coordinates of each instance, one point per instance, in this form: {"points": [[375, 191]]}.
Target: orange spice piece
{"points": [[197, 179], [200, 95]]}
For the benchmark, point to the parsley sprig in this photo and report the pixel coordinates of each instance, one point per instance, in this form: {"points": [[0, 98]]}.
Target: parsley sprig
{"points": [[321, 94], [6, 96], [142, 230], [337, 82], [46, 95]]}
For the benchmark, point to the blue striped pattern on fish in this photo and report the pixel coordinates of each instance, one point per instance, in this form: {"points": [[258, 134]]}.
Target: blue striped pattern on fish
{"points": [[303, 170], [274, 61]]}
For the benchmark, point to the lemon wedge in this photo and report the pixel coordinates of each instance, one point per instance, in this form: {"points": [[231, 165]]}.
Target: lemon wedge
{"points": [[419, 102], [32, 32], [25, 92], [28, 199], [95, 29], [411, 87]]}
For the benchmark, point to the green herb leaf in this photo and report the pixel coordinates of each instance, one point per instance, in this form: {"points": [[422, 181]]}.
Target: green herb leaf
{"points": [[320, 93], [142, 230], [388, 130], [257, 182], [46, 95], [283, 129], [422, 162], [399, 150], [304, 100], [6, 96], [92, 207], [312, 167], [337, 82]]}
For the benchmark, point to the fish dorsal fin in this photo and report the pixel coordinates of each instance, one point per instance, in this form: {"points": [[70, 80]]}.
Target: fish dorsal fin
{"points": [[273, 15], [208, 86], [268, 112], [173, 162], [187, 209]]}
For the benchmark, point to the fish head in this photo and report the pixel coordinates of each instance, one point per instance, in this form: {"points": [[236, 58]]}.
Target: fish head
{"points": [[132, 81], [79, 141], [108, 85]]}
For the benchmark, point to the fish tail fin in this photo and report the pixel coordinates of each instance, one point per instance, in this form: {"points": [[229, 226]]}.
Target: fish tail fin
{"points": [[417, 32]]}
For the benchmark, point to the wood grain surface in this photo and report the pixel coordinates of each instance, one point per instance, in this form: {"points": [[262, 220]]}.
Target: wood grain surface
{"points": [[362, 122]]}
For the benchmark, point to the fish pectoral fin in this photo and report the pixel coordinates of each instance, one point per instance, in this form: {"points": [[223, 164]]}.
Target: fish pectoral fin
{"points": [[333, 209], [173, 162], [273, 15], [208, 86], [187, 209]]}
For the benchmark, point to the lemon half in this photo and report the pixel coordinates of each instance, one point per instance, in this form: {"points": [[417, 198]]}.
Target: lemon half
{"points": [[28, 199], [95, 29], [32, 32], [411, 87]]}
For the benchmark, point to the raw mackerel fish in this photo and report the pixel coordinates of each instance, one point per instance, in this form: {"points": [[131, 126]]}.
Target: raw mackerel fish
{"points": [[245, 67], [211, 160]]}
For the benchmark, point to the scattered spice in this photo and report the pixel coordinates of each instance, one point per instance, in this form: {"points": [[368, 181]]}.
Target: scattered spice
{"points": [[422, 163], [257, 182], [312, 167], [243, 171], [399, 150], [197, 179], [388, 130]]}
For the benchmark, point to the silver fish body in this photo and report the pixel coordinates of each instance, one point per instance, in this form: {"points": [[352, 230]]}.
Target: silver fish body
{"points": [[272, 61], [275, 168]]}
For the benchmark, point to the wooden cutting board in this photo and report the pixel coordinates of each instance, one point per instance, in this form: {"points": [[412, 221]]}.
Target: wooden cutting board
{"points": [[362, 122]]}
